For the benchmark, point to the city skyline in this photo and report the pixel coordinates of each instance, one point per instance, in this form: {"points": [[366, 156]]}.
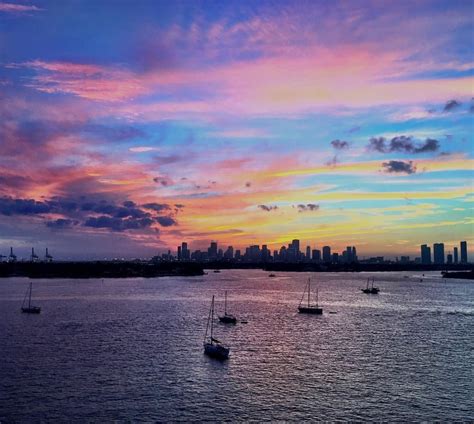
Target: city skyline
{"points": [[128, 127]]}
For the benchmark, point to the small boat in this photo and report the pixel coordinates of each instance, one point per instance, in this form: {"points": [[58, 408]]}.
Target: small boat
{"points": [[29, 309], [310, 309], [227, 318], [372, 289], [272, 275], [217, 271], [213, 347]]}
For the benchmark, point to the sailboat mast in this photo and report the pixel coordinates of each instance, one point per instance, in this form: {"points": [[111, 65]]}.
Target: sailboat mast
{"points": [[212, 318], [225, 303], [29, 300], [317, 303], [309, 290]]}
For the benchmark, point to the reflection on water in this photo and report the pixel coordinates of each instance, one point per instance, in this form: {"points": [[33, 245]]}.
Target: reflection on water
{"points": [[132, 349]]}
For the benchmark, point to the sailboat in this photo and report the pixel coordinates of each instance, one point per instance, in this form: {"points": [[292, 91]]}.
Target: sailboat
{"points": [[227, 318], [29, 309], [309, 309], [372, 289], [213, 347]]}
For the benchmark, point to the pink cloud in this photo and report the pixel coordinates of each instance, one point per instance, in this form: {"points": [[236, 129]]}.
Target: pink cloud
{"points": [[18, 8]]}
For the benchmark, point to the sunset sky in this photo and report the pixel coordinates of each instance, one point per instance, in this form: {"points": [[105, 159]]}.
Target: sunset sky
{"points": [[127, 127]]}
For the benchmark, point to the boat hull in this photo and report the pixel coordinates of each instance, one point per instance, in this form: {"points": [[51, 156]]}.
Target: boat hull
{"points": [[371, 291], [227, 319], [31, 310], [310, 310], [216, 351]]}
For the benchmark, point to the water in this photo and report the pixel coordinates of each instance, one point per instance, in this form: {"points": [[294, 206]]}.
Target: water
{"points": [[131, 349]]}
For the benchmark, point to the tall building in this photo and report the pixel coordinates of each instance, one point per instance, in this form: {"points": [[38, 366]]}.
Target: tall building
{"points": [[425, 254], [438, 253], [354, 254], [349, 254], [449, 258], [326, 254], [316, 255], [180, 255], [212, 251], [308, 253], [185, 253], [455, 252], [296, 246], [464, 252]]}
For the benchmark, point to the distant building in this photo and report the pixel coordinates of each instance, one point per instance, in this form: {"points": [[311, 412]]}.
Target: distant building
{"points": [[316, 255], [179, 253], [326, 254], [185, 253], [449, 258], [335, 258], [404, 259], [438, 253], [212, 251], [425, 254], [464, 252], [308, 253], [229, 253], [456, 258]]}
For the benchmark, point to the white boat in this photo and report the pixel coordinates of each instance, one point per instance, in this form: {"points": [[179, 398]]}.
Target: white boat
{"points": [[213, 347]]}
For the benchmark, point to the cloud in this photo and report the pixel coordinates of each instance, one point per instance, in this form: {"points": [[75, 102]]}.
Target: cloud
{"points": [[451, 105], [308, 207], [157, 207], [164, 181], [61, 223], [10, 206], [248, 184], [402, 144], [267, 208], [117, 224], [166, 221], [430, 145], [396, 166], [333, 162], [340, 144], [18, 8], [142, 149], [354, 129]]}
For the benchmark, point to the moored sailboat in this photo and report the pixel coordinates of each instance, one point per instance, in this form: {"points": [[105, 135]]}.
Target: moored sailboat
{"points": [[29, 309], [213, 347], [227, 318], [371, 289], [309, 308]]}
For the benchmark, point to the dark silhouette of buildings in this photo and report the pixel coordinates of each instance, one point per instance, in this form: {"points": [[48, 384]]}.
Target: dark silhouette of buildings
{"points": [[455, 252], [463, 252], [425, 254], [326, 254], [438, 253]]}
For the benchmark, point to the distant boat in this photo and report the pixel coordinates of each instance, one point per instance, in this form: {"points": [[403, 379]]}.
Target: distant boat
{"points": [[371, 289], [217, 271], [213, 347], [29, 309], [309, 309], [227, 318], [272, 275]]}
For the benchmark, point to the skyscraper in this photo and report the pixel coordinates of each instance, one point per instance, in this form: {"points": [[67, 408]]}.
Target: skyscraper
{"points": [[425, 254], [212, 250], [185, 254], [326, 254], [316, 255], [308, 253], [438, 253], [464, 252], [456, 257]]}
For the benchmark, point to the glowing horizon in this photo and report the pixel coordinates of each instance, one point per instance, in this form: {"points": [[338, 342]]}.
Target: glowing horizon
{"points": [[131, 127]]}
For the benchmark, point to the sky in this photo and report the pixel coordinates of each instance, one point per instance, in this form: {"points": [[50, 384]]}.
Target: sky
{"points": [[127, 127]]}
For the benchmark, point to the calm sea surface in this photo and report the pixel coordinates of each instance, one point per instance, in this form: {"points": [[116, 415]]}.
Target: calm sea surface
{"points": [[131, 349]]}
